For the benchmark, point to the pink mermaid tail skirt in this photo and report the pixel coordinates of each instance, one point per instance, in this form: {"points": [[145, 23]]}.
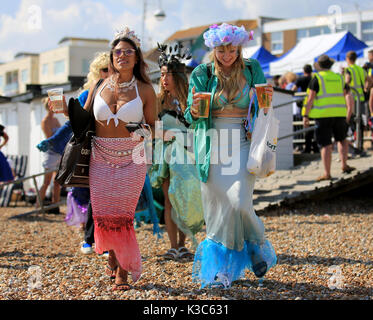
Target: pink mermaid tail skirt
{"points": [[117, 175]]}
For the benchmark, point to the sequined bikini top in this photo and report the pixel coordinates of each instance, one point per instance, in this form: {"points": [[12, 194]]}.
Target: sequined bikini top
{"points": [[242, 100]]}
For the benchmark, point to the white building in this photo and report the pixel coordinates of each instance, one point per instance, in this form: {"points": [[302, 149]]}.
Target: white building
{"points": [[282, 35], [70, 60], [23, 84]]}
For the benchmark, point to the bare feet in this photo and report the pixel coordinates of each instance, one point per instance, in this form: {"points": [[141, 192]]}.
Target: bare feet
{"points": [[112, 265]]}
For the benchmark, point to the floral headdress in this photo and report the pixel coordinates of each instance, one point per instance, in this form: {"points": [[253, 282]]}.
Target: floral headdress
{"points": [[227, 34], [174, 59], [127, 33]]}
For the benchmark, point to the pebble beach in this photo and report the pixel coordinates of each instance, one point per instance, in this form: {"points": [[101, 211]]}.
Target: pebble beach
{"points": [[324, 252]]}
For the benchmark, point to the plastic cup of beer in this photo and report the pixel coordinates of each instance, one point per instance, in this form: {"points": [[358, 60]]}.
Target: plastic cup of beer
{"points": [[264, 93], [56, 95], [204, 104]]}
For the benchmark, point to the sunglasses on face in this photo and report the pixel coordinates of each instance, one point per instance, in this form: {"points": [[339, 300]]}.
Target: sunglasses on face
{"points": [[126, 52], [105, 69]]}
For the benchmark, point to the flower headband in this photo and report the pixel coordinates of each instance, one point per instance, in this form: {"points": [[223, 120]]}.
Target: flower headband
{"points": [[226, 34], [127, 33], [173, 61]]}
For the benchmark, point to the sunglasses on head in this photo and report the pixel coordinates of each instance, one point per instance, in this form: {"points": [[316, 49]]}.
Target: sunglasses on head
{"points": [[126, 52], [105, 69]]}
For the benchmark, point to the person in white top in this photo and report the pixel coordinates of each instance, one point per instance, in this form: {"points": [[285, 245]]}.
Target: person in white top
{"points": [[117, 168]]}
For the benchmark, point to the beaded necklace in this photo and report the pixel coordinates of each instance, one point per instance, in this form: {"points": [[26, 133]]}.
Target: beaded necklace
{"points": [[122, 87]]}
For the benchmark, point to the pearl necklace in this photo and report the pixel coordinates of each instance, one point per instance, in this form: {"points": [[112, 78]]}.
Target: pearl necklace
{"points": [[122, 87]]}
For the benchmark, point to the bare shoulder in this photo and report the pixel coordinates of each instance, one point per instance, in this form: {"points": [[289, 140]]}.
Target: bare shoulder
{"points": [[45, 121], [145, 89]]}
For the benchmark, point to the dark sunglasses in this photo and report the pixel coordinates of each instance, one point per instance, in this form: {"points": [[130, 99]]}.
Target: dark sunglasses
{"points": [[105, 69], [126, 52]]}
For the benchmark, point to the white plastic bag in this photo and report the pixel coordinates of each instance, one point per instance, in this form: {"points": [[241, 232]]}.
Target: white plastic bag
{"points": [[262, 155]]}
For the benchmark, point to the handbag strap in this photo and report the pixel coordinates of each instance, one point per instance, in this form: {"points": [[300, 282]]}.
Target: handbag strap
{"points": [[99, 82], [91, 126]]}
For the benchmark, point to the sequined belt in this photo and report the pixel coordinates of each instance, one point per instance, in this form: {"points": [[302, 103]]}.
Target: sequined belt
{"points": [[102, 151]]}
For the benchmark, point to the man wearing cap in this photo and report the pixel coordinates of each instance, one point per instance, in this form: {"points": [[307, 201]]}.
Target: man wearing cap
{"points": [[326, 103]]}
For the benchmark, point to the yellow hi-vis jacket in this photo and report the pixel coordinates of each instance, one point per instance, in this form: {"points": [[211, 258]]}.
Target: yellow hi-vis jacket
{"points": [[329, 101], [357, 80]]}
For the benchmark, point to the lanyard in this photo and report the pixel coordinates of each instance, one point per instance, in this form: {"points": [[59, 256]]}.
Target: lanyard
{"points": [[248, 122]]}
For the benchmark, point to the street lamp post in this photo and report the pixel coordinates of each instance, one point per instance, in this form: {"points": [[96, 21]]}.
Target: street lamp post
{"points": [[159, 15]]}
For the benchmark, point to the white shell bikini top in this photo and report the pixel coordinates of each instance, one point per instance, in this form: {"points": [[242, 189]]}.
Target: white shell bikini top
{"points": [[131, 111]]}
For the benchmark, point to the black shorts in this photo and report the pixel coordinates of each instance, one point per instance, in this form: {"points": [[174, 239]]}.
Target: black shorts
{"points": [[328, 127]]}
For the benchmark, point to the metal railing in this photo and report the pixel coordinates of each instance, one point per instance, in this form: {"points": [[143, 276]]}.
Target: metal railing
{"points": [[297, 132], [357, 120], [42, 208]]}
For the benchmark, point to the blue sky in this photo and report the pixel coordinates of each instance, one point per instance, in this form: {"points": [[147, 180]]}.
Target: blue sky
{"points": [[38, 25]]}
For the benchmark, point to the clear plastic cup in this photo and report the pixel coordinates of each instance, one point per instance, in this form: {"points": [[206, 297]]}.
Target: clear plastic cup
{"points": [[56, 97], [264, 93], [204, 104]]}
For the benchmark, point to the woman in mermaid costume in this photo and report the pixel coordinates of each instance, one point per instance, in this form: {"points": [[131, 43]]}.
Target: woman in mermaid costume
{"points": [[79, 211], [173, 169], [77, 198], [235, 239]]}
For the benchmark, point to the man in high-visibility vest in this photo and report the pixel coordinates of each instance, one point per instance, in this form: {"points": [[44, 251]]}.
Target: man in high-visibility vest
{"points": [[368, 67], [330, 103], [355, 77]]}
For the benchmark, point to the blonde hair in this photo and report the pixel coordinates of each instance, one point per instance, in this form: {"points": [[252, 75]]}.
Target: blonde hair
{"points": [[101, 61], [231, 84], [44, 101], [290, 77], [181, 89]]}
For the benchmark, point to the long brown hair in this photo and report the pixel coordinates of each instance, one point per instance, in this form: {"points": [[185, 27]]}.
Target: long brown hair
{"points": [[181, 89], [139, 71], [231, 84]]}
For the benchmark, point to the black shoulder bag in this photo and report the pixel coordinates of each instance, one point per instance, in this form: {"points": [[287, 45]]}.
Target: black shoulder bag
{"points": [[73, 170]]}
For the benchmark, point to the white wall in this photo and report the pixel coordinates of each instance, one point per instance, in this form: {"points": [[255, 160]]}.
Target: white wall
{"points": [[23, 125], [284, 155], [15, 118]]}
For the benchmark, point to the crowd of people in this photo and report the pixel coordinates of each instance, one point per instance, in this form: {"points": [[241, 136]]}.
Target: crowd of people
{"points": [[332, 101], [187, 163], [196, 190]]}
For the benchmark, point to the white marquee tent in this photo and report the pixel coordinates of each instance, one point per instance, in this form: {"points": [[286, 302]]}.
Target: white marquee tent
{"points": [[308, 49]]}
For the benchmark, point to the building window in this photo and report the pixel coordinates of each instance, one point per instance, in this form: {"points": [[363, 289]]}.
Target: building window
{"points": [[367, 31], [24, 76], [44, 69], [276, 42], [59, 67], [312, 32], [325, 30], [301, 33], [348, 27], [85, 66], [11, 83], [11, 77]]}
